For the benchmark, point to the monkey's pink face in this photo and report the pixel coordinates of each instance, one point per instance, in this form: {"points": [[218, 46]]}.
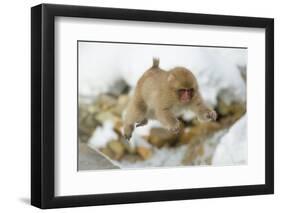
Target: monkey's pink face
{"points": [[185, 95]]}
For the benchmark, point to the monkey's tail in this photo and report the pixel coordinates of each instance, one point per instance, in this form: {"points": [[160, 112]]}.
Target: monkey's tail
{"points": [[155, 63]]}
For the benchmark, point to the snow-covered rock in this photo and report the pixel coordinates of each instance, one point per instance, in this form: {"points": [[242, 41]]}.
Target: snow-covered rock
{"points": [[233, 148]]}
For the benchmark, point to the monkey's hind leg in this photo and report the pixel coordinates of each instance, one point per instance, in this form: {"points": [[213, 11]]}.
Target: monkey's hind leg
{"points": [[168, 120], [135, 114]]}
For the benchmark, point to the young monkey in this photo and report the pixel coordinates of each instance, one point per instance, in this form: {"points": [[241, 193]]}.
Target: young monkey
{"points": [[159, 94]]}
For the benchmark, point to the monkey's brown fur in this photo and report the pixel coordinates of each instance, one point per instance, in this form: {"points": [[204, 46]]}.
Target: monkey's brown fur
{"points": [[157, 96]]}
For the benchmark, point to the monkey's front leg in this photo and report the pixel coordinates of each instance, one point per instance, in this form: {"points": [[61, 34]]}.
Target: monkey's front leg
{"points": [[168, 120], [203, 112]]}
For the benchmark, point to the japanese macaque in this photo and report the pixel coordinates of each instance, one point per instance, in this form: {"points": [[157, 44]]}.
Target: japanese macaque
{"points": [[160, 94]]}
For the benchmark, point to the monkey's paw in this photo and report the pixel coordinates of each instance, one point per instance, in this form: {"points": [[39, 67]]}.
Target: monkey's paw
{"points": [[142, 123], [128, 130], [127, 138], [175, 129], [210, 115]]}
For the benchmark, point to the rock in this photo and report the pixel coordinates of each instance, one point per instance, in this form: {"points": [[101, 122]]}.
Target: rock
{"points": [[117, 148], [198, 133], [119, 87], [160, 137], [131, 158], [106, 101], [123, 100], [92, 109], [222, 108], [228, 109], [108, 152], [106, 115], [195, 137], [243, 72], [201, 152], [87, 123], [118, 126], [231, 113], [90, 159], [185, 136], [193, 153], [121, 105], [144, 152], [129, 148]]}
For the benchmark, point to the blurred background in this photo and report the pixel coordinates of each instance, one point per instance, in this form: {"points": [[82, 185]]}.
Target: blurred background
{"points": [[108, 73]]}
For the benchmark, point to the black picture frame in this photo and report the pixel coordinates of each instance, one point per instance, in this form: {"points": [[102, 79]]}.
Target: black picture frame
{"points": [[43, 102]]}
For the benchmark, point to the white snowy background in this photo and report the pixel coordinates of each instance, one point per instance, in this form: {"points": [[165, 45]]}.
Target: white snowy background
{"points": [[217, 71]]}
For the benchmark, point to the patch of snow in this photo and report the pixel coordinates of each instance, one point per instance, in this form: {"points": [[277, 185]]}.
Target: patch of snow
{"points": [[145, 130], [103, 135], [139, 132], [138, 141], [233, 148], [163, 157]]}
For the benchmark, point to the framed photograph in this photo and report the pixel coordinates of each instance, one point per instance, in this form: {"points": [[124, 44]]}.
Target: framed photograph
{"points": [[139, 106]]}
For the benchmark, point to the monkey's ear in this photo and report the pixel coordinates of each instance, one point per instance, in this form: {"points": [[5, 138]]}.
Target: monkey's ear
{"points": [[171, 78]]}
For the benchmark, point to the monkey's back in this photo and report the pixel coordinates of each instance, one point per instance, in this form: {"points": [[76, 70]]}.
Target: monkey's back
{"points": [[152, 86]]}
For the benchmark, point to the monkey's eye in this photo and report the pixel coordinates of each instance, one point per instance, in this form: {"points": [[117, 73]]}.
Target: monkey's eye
{"points": [[190, 91], [182, 90], [186, 92]]}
